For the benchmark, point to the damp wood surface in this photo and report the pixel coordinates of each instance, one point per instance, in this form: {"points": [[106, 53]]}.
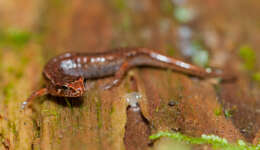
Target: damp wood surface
{"points": [[33, 31]]}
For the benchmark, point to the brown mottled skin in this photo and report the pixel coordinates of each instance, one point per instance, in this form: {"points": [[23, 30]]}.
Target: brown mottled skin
{"points": [[66, 74]]}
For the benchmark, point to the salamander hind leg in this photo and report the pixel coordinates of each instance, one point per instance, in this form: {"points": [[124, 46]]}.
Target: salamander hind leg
{"points": [[118, 77]]}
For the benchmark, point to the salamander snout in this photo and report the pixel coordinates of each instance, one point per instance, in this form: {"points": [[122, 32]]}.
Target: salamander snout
{"points": [[76, 88]]}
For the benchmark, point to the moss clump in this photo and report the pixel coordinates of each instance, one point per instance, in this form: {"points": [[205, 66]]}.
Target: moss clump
{"points": [[14, 37], [218, 111], [12, 126], [248, 56], [8, 91], [213, 140], [167, 7], [51, 113], [228, 113], [249, 59], [120, 5], [256, 76]]}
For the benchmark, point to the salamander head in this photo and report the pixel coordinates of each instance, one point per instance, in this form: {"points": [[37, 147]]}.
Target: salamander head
{"points": [[70, 89]]}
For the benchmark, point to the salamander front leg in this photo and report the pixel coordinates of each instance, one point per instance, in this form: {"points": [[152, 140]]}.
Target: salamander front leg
{"points": [[34, 95], [118, 76]]}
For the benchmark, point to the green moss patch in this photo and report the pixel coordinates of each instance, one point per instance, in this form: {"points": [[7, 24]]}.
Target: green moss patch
{"points": [[14, 37], [215, 141], [248, 56]]}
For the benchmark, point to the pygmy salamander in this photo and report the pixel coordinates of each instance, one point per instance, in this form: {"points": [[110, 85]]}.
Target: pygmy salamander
{"points": [[66, 74]]}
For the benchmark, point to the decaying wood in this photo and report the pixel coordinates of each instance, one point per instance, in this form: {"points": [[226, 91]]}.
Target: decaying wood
{"points": [[103, 119]]}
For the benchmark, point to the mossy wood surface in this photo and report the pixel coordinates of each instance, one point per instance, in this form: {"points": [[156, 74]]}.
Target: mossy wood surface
{"points": [[33, 31]]}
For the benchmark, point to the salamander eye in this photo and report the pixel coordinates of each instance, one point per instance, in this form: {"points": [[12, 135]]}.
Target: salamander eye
{"points": [[64, 87]]}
